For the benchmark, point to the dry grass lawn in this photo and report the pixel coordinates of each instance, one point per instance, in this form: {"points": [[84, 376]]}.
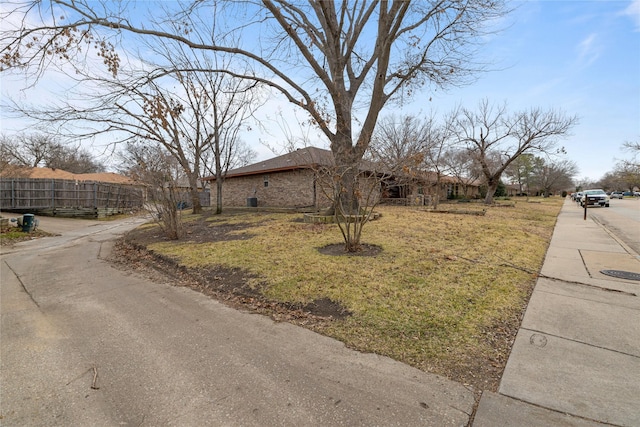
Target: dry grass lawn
{"points": [[445, 294]]}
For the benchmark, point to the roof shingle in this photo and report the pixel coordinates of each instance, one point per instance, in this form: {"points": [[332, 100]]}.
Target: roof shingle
{"points": [[48, 173], [302, 158]]}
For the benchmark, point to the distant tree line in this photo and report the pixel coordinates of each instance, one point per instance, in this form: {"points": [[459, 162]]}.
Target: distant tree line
{"points": [[488, 144], [625, 175], [42, 150]]}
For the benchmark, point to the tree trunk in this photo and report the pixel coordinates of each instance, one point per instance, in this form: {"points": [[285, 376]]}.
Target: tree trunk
{"points": [[492, 186], [346, 201], [436, 195], [218, 160], [193, 190], [347, 190], [218, 195]]}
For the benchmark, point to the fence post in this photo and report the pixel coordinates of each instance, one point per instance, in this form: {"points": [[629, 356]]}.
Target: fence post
{"points": [[108, 196]]}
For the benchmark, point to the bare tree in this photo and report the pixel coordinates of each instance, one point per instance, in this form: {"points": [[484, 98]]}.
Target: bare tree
{"points": [[73, 159], [439, 142], [462, 167], [371, 180], [632, 146], [28, 150], [551, 177], [522, 170], [496, 138], [399, 142], [158, 171], [195, 117], [330, 59], [220, 104], [626, 172], [42, 150], [398, 145], [155, 112], [413, 150], [230, 103], [611, 181]]}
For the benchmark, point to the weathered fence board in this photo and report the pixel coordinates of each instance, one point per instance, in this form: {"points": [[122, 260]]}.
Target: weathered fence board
{"points": [[58, 196]]}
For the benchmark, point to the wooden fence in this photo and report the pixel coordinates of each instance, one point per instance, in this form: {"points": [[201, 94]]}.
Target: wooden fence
{"points": [[63, 197]]}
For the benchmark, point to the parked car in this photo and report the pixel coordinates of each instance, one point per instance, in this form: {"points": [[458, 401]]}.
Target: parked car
{"points": [[576, 196], [616, 195], [594, 197]]}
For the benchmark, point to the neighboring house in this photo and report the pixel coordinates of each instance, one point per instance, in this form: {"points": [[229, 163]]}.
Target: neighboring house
{"points": [[50, 173], [447, 187], [514, 189], [47, 191], [426, 185], [295, 180], [184, 190], [460, 188]]}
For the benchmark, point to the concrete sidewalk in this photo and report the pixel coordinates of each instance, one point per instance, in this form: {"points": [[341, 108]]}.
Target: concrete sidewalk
{"points": [[576, 358]]}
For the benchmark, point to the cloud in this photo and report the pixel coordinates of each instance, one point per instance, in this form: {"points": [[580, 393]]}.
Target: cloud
{"points": [[633, 12], [589, 49]]}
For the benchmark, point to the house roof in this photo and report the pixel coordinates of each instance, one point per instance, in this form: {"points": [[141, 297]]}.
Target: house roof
{"points": [[310, 157], [49, 173], [302, 158], [432, 176], [183, 182]]}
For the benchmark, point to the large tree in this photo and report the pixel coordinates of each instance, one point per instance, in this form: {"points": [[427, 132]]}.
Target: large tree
{"points": [[496, 138], [342, 62], [195, 117]]}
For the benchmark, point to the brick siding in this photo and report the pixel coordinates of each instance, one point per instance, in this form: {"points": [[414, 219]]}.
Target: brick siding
{"points": [[288, 189]]}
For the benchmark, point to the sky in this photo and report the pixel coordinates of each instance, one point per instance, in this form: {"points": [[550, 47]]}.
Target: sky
{"points": [[579, 57]]}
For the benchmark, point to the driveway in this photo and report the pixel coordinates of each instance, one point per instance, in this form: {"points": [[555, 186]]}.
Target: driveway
{"points": [[84, 343]]}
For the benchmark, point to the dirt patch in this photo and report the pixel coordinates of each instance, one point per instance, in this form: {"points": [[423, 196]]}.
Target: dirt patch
{"points": [[200, 230], [12, 235], [337, 249], [224, 284], [324, 307]]}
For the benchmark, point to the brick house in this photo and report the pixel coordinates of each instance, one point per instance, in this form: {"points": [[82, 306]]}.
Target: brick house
{"points": [[287, 181], [427, 185], [295, 180]]}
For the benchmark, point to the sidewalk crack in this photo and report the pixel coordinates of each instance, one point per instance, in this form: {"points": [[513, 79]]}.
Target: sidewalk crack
{"points": [[601, 288], [582, 342], [24, 288]]}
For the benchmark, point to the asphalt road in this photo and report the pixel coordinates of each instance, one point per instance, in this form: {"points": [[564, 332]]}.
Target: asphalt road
{"points": [[622, 219], [83, 343]]}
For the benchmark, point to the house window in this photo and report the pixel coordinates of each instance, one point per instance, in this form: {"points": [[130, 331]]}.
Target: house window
{"points": [[266, 181]]}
